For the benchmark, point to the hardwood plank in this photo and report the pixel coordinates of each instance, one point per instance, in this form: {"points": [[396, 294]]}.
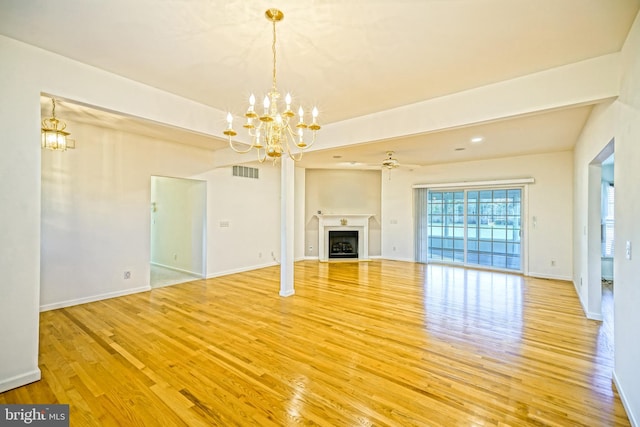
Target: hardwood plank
{"points": [[375, 343]]}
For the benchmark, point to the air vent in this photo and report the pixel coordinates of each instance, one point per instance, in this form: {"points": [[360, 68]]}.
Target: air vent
{"points": [[245, 172]]}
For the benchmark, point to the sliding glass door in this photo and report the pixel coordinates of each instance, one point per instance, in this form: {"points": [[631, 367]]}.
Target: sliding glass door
{"points": [[446, 225], [470, 227]]}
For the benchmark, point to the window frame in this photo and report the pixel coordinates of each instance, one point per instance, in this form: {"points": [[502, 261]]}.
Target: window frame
{"points": [[422, 229]]}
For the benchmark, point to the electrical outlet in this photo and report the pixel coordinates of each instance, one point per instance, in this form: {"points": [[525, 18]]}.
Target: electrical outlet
{"points": [[553, 263], [127, 275]]}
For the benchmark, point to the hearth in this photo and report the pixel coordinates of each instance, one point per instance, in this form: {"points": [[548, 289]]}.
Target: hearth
{"points": [[343, 244]]}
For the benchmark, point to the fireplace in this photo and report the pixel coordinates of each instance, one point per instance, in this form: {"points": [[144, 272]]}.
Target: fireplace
{"points": [[354, 223], [343, 244]]}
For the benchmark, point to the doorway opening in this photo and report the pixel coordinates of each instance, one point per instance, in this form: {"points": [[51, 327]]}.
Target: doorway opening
{"points": [[607, 236], [600, 245], [178, 230]]}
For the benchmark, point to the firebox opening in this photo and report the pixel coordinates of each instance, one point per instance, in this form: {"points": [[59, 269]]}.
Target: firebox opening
{"points": [[343, 244]]}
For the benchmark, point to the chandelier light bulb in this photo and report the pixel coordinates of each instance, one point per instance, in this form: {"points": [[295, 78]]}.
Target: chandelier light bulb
{"points": [[252, 100], [287, 99], [314, 113], [229, 119]]}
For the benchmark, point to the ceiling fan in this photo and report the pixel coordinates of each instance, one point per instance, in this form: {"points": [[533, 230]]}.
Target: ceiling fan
{"points": [[390, 162]]}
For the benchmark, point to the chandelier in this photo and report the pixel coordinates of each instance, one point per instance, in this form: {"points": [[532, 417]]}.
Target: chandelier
{"points": [[274, 133], [54, 136]]}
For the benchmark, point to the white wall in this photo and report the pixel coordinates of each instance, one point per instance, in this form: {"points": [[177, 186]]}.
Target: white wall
{"points": [[627, 228], [549, 200], [300, 196], [19, 223], [342, 192], [96, 212], [618, 121], [243, 217], [26, 73], [96, 216], [178, 223], [597, 133]]}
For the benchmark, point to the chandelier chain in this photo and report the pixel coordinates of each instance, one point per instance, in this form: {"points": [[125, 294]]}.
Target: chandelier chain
{"points": [[273, 49]]}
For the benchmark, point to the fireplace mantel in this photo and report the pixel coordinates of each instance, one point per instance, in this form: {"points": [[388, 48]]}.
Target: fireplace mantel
{"points": [[356, 222]]}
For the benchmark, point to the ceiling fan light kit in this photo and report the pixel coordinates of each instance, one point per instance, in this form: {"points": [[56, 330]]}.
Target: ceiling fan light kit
{"points": [[390, 162]]}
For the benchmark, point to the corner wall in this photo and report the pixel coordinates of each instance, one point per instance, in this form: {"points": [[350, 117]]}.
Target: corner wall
{"points": [[618, 121], [549, 200], [19, 225], [596, 134], [96, 212], [23, 77], [243, 220], [627, 228], [342, 192]]}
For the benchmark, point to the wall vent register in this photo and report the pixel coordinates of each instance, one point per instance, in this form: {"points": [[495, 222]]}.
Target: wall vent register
{"points": [[246, 172]]}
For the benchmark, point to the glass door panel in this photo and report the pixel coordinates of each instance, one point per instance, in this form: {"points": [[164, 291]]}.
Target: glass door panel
{"points": [[486, 233]]}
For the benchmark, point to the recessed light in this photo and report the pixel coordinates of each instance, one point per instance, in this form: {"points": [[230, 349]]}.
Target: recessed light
{"points": [[460, 149], [337, 157], [477, 139]]}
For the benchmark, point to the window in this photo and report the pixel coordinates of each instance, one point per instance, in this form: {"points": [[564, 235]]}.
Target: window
{"points": [[470, 227], [608, 197], [445, 221]]}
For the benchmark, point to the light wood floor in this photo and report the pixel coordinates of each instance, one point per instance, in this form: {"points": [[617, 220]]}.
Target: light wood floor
{"points": [[375, 343]]}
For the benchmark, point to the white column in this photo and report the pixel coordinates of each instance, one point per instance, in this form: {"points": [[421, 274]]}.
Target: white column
{"points": [[287, 213]]}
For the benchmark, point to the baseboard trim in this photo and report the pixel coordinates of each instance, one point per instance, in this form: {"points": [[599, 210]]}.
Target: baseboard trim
{"points": [[240, 270], [287, 293], [170, 267], [625, 401], [549, 276], [20, 380], [94, 298], [316, 258], [588, 314], [381, 257], [594, 316]]}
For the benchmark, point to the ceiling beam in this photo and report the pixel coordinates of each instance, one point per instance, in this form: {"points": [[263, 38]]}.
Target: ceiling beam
{"points": [[581, 83]]}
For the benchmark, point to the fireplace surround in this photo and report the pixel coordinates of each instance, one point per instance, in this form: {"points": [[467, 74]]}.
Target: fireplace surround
{"points": [[358, 223]]}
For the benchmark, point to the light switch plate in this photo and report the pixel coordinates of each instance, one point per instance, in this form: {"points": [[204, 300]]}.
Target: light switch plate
{"points": [[628, 250]]}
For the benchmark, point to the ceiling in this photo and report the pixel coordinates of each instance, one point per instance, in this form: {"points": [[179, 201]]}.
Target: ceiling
{"points": [[350, 58]]}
